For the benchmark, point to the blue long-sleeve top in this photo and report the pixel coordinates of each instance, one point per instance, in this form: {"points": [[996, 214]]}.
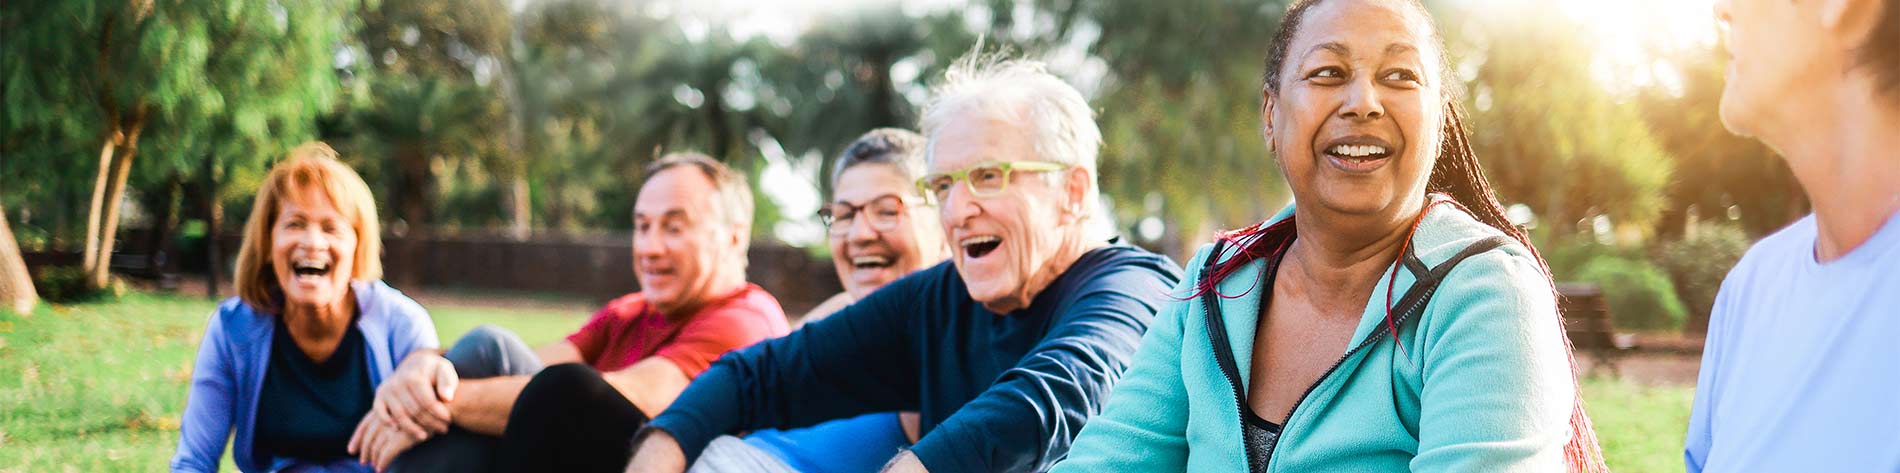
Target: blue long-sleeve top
{"points": [[235, 354], [995, 392]]}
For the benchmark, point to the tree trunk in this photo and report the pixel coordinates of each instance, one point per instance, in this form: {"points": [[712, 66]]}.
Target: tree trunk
{"points": [[214, 216], [520, 209], [16, 286], [101, 270], [883, 111], [115, 193], [413, 204], [417, 181], [722, 135], [91, 255], [165, 223], [162, 259], [1673, 224]]}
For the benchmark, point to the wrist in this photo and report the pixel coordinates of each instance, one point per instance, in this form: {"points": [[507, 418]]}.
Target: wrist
{"points": [[657, 447], [419, 359]]}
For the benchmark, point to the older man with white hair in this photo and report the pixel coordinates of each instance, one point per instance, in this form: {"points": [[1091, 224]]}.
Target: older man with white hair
{"points": [[1005, 351]]}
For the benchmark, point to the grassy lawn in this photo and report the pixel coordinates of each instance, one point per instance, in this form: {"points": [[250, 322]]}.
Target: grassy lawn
{"points": [[1641, 427], [99, 387]]}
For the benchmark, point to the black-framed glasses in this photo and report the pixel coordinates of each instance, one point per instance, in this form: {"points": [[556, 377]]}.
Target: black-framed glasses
{"points": [[882, 213]]}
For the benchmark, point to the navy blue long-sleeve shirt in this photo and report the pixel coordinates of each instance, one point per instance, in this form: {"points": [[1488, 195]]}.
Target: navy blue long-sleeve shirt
{"points": [[995, 392]]}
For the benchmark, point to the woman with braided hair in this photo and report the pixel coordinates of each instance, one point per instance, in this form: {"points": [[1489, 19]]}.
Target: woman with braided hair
{"points": [[1391, 320]]}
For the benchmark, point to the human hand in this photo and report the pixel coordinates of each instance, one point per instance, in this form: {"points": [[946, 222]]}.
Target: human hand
{"points": [[415, 398], [378, 440]]}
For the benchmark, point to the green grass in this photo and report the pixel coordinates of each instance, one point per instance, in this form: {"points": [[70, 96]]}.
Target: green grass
{"points": [[1641, 427], [100, 386]]}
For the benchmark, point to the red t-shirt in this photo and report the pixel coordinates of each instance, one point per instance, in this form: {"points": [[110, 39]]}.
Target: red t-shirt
{"points": [[629, 330]]}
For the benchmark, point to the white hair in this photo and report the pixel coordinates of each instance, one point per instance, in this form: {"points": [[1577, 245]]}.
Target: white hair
{"points": [[1022, 92]]}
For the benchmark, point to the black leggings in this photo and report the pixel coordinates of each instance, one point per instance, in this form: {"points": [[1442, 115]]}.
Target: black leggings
{"points": [[569, 419]]}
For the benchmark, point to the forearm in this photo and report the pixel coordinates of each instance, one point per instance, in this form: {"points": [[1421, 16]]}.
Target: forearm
{"points": [[1029, 417], [483, 405], [656, 452]]}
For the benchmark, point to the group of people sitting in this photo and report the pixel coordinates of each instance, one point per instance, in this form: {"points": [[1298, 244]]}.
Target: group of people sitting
{"points": [[1393, 319]]}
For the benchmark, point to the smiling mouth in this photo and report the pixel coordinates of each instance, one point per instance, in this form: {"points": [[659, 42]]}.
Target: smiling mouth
{"points": [[310, 268], [870, 262], [978, 246], [1358, 154]]}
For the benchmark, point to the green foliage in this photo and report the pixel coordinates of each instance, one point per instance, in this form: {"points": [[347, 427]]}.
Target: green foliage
{"points": [[1698, 265], [67, 284], [229, 80], [1727, 170], [455, 111], [1548, 135], [101, 386], [1181, 113], [1567, 256], [1640, 295]]}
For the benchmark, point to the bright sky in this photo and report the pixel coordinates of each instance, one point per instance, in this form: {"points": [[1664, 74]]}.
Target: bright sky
{"points": [[780, 20], [1627, 31]]}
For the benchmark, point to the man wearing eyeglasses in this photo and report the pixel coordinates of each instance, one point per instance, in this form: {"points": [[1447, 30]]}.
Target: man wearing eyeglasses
{"points": [[1005, 352]]}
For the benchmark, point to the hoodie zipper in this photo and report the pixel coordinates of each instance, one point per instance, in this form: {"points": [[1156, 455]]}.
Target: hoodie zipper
{"points": [[1224, 355]]}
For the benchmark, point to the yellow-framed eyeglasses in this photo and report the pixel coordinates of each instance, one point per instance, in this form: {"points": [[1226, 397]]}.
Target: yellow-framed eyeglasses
{"points": [[984, 180]]}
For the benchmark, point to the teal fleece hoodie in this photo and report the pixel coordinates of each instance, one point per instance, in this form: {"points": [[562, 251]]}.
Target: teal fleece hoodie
{"points": [[1483, 382]]}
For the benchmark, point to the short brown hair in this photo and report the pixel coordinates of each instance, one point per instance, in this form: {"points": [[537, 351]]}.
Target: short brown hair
{"points": [[732, 192], [310, 165]]}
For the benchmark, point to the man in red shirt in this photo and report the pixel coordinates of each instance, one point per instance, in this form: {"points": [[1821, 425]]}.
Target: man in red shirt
{"points": [[487, 403]]}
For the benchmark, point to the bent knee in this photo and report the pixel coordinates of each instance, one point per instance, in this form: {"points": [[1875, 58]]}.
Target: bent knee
{"points": [[486, 335]]}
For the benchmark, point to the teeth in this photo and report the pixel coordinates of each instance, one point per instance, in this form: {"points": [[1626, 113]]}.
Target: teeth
{"points": [[869, 260], [978, 240], [1357, 151], [313, 264]]}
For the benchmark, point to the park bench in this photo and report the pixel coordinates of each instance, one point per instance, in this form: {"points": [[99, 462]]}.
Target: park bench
{"points": [[1587, 323]]}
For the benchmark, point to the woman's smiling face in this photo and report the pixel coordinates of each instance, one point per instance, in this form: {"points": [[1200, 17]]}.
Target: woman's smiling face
{"points": [[313, 247], [867, 257], [1355, 118]]}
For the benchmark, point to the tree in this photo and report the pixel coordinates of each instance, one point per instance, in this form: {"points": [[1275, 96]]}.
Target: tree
{"points": [[425, 89], [835, 82], [16, 287], [1548, 134], [157, 72], [1180, 113], [1716, 169], [564, 64]]}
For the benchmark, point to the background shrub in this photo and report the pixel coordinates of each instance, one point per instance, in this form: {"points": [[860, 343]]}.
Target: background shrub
{"points": [[1698, 265], [1640, 295], [67, 284]]}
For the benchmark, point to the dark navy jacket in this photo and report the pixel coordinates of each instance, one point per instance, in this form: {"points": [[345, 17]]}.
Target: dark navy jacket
{"points": [[996, 392]]}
